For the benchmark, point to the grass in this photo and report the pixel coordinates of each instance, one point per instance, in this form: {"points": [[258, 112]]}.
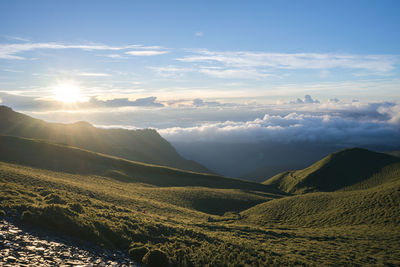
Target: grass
{"points": [[191, 218], [377, 206], [334, 172], [114, 213]]}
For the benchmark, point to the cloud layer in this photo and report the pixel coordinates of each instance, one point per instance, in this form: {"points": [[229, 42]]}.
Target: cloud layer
{"points": [[341, 129]]}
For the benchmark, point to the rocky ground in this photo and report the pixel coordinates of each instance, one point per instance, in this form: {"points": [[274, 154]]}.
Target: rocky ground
{"points": [[33, 247]]}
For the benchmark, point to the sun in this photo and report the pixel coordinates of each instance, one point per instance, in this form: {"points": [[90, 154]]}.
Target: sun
{"points": [[67, 92]]}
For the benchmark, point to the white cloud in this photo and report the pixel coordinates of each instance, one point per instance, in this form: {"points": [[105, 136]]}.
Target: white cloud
{"points": [[306, 100], [10, 51], [199, 34], [16, 38], [235, 73], [93, 74], [146, 52], [293, 127], [392, 111], [113, 56], [171, 70], [376, 63]]}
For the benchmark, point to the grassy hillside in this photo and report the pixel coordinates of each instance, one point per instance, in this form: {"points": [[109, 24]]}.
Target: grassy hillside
{"points": [[142, 217], [63, 158], [395, 153], [259, 174], [139, 145], [379, 205], [336, 171]]}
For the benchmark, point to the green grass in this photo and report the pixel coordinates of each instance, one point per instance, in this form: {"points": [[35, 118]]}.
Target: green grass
{"points": [[144, 208], [118, 214], [377, 206], [334, 172]]}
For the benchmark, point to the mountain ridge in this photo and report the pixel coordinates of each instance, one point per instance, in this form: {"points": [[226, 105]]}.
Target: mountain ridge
{"points": [[145, 145], [334, 172]]}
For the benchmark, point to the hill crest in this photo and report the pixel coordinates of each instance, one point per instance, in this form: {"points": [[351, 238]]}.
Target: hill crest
{"points": [[334, 172]]}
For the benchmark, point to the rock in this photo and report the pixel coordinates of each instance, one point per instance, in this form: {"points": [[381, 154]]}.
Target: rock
{"points": [[36, 247], [11, 259]]}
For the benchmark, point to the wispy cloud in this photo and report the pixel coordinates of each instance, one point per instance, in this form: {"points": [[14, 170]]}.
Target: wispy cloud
{"points": [[112, 56], [199, 34], [146, 52], [319, 61], [11, 51], [236, 73], [93, 74], [16, 38], [171, 70]]}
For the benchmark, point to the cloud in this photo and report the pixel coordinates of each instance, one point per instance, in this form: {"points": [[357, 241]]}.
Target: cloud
{"points": [[235, 73], [201, 103], [93, 74], [113, 56], [171, 70], [306, 100], [393, 111], [125, 102], [290, 128], [199, 34], [146, 52], [37, 104], [10, 51], [376, 63], [16, 38]]}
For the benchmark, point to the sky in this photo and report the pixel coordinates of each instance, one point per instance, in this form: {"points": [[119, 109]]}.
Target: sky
{"points": [[186, 66]]}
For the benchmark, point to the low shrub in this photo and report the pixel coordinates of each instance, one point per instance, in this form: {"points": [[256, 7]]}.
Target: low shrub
{"points": [[156, 258], [138, 253]]}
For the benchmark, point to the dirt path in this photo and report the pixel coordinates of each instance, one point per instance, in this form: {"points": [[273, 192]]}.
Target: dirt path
{"points": [[32, 247]]}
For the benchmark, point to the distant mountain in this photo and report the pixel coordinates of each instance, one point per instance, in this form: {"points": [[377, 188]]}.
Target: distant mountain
{"points": [[253, 161], [259, 174], [339, 170], [139, 145], [395, 153]]}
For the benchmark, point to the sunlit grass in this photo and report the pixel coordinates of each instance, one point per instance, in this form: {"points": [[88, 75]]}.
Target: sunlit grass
{"points": [[119, 214]]}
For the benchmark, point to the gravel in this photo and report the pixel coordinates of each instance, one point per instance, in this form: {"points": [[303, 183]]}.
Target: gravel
{"points": [[33, 247]]}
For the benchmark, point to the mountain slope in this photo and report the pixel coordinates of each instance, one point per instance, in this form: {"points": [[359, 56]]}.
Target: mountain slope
{"points": [[379, 205], [63, 158], [336, 171], [139, 145]]}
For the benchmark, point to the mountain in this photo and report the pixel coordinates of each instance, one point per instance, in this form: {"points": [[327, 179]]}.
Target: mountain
{"points": [[59, 157], [139, 145], [336, 171], [395, 153], [258, 175], [377, 205], [247, 158]]}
